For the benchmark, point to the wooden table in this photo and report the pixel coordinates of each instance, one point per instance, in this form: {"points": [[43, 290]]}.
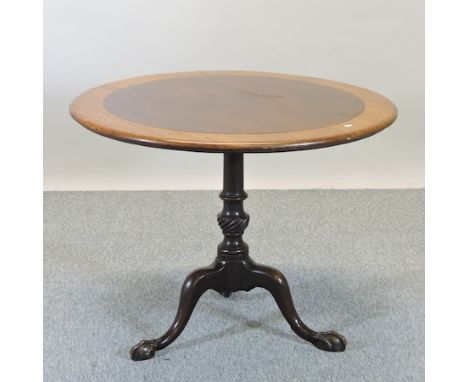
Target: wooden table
{"points": [[233, 113]]}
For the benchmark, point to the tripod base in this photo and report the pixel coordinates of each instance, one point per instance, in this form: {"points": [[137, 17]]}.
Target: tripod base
{"points": [[234, 270], [231, 273]]}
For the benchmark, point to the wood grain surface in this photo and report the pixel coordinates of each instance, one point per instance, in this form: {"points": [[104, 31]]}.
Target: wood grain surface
{"points": [[232, 111]]}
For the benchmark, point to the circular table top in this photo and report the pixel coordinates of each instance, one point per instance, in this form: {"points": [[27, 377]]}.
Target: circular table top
{"points": [[232, 111]]}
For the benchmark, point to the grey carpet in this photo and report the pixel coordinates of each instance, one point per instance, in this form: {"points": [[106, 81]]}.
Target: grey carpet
{"points": [[114, 263]]}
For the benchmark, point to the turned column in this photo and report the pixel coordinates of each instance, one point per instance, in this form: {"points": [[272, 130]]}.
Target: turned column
{"points": [[233, 220]]}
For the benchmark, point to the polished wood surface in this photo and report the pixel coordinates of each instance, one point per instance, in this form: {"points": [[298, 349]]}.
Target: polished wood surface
{"points": [[233, 104], [232, 111]]}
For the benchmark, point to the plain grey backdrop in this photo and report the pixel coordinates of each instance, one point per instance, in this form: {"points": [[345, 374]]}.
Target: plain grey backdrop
{"points": [[375, 44]]}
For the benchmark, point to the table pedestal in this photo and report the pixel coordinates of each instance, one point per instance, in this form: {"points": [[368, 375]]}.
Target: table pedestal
{"points": [[234, 270]]}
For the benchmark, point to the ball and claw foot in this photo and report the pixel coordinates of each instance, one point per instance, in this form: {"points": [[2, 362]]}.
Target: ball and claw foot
{"points": [[142, 351], [330, 341]]}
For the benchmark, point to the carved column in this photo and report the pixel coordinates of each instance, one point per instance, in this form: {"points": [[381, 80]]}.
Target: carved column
{"points": [[233, 220]]}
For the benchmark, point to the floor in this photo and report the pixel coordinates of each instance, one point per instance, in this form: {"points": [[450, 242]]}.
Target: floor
{"points": [[114, 263]]}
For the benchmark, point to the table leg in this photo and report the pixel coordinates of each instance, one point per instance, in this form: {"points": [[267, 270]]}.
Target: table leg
{"points": [[196, 283]]}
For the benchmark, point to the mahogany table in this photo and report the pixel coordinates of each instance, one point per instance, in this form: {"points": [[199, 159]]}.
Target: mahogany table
{"points": [[233, 113]]}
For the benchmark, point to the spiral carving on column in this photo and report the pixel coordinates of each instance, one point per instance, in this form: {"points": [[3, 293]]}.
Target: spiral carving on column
{"points": [[233, 226]]}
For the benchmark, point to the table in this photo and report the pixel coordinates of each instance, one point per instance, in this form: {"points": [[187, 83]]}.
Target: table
{"points": [[233, 113]]}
